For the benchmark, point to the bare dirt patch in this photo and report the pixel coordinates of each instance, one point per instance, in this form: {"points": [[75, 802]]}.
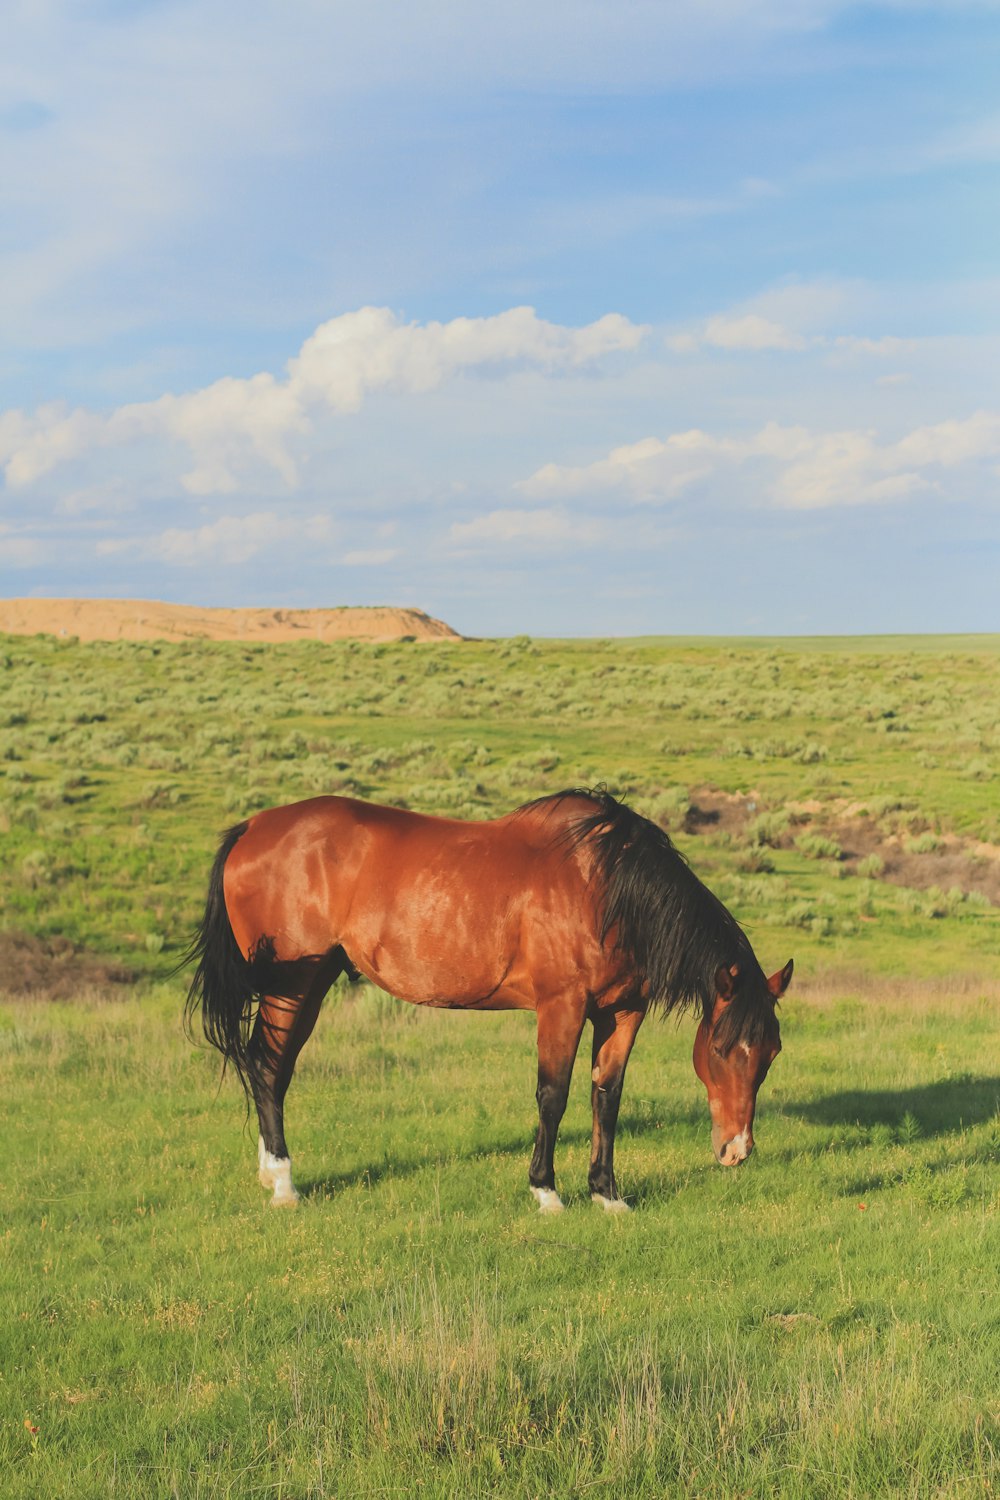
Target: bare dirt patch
{"points": [[715, 811], [955, 863], [148, 620], [54, 968]]}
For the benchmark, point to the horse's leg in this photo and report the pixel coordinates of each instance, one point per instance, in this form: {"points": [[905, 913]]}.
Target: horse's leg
{"points": [[280, 1031], [614, 1033], [560, 1023]]}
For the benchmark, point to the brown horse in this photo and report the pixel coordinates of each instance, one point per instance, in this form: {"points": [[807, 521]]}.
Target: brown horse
{"points": [[573, 906]]}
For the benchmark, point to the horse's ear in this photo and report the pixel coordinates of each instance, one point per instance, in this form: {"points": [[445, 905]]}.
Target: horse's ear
{"points": [[778, 983], [725, 981]]}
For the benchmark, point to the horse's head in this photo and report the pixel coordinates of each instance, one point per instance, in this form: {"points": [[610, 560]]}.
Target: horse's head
{"points": [[733, 1068]]}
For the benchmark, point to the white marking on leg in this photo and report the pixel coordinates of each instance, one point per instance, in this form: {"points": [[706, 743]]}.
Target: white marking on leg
{"points": [[548, 1200], [276, 1172], [611, 1205]]}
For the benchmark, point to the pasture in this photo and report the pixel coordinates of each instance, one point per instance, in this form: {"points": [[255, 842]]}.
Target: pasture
{"points": [[824, 1321]]}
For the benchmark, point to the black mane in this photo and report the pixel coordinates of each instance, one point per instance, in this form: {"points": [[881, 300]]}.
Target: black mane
{"points": [[669, 927]]}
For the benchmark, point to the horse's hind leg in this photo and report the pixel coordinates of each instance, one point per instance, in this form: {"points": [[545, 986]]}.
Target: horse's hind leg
{"points": [[614, 1033], [280, 1031], [559, 1026]]}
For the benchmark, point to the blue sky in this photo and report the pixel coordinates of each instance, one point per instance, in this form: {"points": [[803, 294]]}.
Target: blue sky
{"points": [[563, 318]]}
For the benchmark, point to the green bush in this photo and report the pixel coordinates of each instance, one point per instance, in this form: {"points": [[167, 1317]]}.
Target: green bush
{"points": [[817, 846]]}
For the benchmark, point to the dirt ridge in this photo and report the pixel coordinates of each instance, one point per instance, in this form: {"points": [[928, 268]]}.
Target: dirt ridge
{"points": [[151, 619]]}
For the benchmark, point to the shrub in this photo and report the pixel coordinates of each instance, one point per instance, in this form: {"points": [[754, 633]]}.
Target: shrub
{"points": [[817, 846], [768, 829], [668, 808], [810, 754], [978, 770], [866, 899], [922, 843], [755, 862]]}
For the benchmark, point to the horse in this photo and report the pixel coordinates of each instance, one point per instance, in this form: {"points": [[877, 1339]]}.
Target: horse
{"points": [[573, 906]]}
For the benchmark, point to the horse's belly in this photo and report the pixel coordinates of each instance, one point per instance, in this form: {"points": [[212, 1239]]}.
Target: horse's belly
{"points": [[443, 980]]}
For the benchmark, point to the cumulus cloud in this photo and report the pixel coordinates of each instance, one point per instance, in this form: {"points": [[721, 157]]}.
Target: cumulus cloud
{"points": [[351, 356], [790, 467], [234, 426]]}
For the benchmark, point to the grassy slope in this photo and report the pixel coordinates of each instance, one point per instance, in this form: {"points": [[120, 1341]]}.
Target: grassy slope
{"points": [[820, 1323], [120, 763], [823, 1322]]}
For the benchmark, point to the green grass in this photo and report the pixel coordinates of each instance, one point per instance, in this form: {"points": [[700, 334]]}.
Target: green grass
{"points": [[822, 1322], [119, 764]]}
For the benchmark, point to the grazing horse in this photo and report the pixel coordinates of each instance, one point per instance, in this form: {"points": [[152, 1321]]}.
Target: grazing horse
{"points": [[573, 906]]}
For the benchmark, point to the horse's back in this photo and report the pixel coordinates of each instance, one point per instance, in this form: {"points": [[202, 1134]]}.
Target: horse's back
{"points": [[432, 909]]}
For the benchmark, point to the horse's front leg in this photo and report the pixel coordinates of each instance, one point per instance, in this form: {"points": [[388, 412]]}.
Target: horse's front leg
{"points": [[560, 1023], [280, 1031], [614, 1033]]}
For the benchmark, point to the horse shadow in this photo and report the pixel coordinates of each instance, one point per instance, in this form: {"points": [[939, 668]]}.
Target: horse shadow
{"points": [[370, 1174], [941, 1108]]}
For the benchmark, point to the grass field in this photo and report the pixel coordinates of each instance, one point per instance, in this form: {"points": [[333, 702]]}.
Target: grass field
{"points": [[822, 1322]]}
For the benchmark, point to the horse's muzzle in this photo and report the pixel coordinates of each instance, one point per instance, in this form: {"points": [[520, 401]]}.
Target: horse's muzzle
{"points": [[736, 1150]]}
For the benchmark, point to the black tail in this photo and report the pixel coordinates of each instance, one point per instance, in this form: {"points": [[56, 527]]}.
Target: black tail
{"points": [[222, 983], [226, 985]]}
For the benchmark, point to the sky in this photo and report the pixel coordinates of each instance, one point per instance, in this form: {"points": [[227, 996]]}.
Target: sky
{"points": [[562, 318]]}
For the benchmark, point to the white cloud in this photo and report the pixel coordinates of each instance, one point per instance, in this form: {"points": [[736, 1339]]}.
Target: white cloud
{"points": [[793, 318], [233, 427], [881, 348], [371, 557], [650, 470], [949, 444], [32, 444], [533, 529], [972, 141], [789, 467], [226, 542], [18, 550], [131, 135], [751, 331], [683, 343], [351, 356]]}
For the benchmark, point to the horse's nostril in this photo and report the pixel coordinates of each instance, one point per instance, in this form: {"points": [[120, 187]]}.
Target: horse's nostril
{"points": [[734, 1151]]}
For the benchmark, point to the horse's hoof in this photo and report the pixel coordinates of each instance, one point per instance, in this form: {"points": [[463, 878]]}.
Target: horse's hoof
{"points": [[548, 1200], [611, 1205], [285, 1200]]}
